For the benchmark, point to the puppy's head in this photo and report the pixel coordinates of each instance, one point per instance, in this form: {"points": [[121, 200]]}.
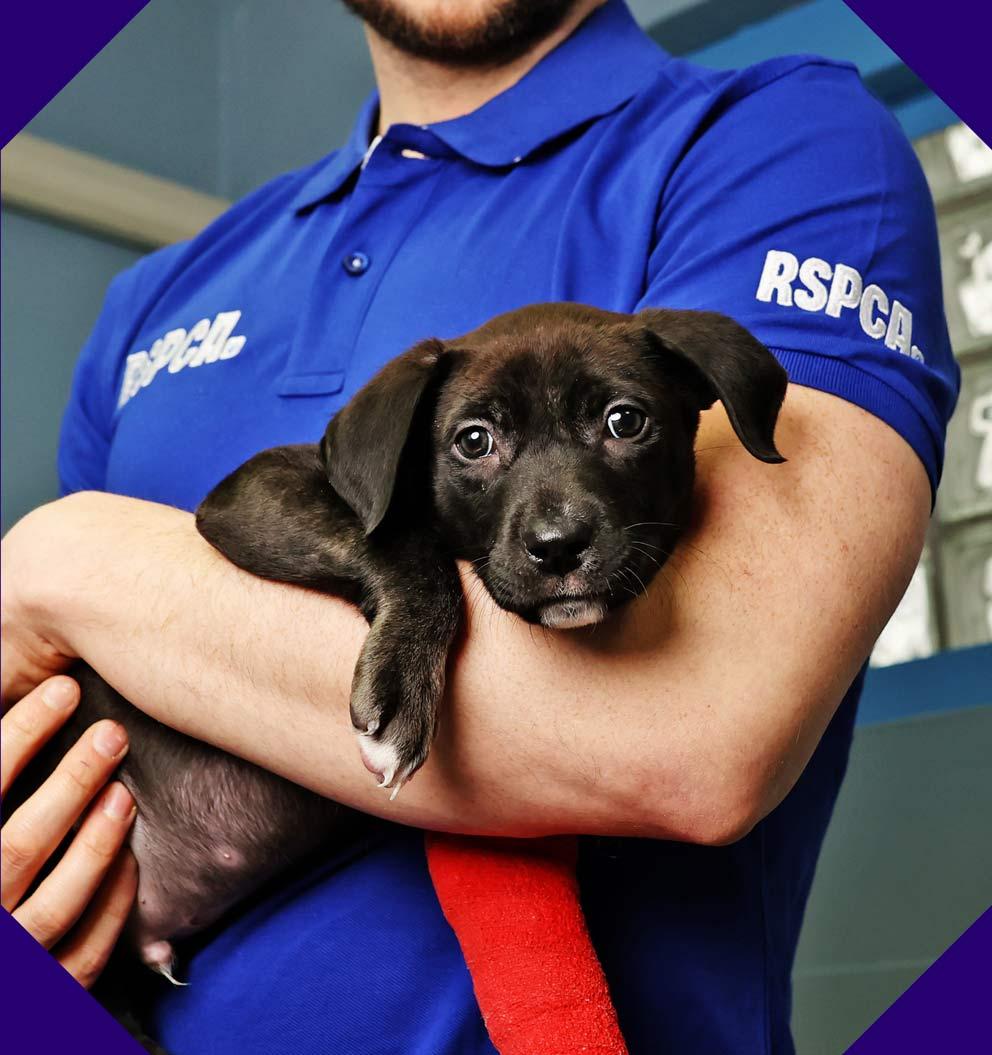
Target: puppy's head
{"points": [[558, 443]]}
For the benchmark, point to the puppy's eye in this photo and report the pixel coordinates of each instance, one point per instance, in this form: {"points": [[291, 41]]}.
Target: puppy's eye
{"points": [[474, 442], [625, 423]]}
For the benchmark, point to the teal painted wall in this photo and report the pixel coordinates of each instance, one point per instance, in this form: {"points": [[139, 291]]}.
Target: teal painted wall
{"points": [[290, 86], [151, 98], [217, 94], [53, 283], [906, 868]]}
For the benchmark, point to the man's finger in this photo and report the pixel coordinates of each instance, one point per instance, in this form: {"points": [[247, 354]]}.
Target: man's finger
{"points": [[29, 724], [37, 827], [85, 952], [64, 894]]}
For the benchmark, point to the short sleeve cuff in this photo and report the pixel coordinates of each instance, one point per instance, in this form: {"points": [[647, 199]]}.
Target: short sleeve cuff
{"points": [[841, 378]]}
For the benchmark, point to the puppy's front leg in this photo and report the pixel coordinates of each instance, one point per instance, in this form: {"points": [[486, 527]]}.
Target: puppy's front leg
{"points": [[278, 517], [400, 675]]}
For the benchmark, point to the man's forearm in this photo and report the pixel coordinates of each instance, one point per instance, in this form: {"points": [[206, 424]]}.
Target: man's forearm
{"points": [[264, 670], [686, 716]]}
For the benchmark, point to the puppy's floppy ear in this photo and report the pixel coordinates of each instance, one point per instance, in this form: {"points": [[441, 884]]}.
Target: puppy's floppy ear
{"points": [[730, 365], [364, 442]]}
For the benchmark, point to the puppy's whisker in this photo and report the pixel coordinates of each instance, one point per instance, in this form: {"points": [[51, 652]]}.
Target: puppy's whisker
{"points": [[637, 548], [612, 581], [671, 567], [682, 544], [663, 579], [626, 574], [669, 588], [698, 551], [651, 523], [474, 590], [644, 589], [643, 542]]}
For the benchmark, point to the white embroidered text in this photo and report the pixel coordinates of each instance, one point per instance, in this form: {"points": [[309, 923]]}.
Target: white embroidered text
{"points": [[836, 288], [204, 342]]}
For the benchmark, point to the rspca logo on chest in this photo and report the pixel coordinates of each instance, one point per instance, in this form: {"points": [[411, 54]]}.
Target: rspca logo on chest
{"points": [[208, 341], [816, 285]]}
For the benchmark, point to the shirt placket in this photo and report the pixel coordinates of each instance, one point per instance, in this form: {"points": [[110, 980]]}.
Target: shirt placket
{"points": [[389, 196]]}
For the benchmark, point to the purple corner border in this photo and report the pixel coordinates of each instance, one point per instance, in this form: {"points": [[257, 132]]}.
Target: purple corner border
{"points": [[947, 1009], [946, 45], [45, 1011], [45, 43]]}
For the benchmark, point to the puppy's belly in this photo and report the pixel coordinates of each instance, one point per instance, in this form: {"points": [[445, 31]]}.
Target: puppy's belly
{"points": [[211, 828], [208, 837]]}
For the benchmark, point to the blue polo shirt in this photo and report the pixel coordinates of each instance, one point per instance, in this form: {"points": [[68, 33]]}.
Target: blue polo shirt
{"points": [[612, 174]]}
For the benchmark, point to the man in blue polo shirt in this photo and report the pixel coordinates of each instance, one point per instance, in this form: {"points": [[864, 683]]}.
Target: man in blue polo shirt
{"points": [[514, 153]]}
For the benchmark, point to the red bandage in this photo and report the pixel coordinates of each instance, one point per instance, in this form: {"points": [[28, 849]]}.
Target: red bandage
{"points": [[514, 906]]}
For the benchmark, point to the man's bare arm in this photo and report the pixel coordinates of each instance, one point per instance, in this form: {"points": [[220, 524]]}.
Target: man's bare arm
{"points": [[689, 716]]}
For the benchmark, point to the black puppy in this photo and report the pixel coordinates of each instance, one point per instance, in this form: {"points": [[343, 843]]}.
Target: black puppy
{"points": [[553, 447]]}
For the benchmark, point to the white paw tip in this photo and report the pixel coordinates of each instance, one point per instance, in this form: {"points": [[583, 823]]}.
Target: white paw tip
{"points": [[380, 759]]}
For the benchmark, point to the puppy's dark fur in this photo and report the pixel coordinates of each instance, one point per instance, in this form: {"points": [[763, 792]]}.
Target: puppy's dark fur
{"points": [[501, 447]]}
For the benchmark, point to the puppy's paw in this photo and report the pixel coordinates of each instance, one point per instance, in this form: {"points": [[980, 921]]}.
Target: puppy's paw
{"points": [[395, 744], [391, 767], [394, 709]]}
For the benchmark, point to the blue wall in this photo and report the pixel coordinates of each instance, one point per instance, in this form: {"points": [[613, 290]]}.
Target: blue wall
{"points": [[217, 94], [947, 681], [289, 88], [151, 98], [53, 283]]}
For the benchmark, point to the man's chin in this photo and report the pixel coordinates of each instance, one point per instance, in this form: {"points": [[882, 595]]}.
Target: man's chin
{"points": [[464, 36]]}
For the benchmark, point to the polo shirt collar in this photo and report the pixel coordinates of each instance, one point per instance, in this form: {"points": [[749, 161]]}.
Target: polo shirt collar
{"points": [[329, 176], [605, 62]]}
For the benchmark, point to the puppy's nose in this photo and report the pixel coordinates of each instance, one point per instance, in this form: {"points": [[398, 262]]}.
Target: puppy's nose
{"points": [[556, 546]]}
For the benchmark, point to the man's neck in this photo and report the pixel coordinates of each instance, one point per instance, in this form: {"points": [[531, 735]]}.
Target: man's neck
{"points": [[420, 92]]}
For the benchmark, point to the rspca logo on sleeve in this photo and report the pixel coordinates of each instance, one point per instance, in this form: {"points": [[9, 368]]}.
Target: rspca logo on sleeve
{"points": [[205, 342], [816, 285]]}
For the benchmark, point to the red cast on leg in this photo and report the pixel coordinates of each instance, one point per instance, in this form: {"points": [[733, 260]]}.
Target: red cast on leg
{"points": [[514, 906]]}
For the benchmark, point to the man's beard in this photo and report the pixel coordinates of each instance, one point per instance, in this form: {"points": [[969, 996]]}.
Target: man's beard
{"points": [[494, 37]]}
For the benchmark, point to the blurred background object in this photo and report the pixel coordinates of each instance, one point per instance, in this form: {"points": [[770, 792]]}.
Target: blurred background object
{"points": [[197, 102]]}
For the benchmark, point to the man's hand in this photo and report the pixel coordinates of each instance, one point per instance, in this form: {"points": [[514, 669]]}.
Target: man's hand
{"points": [[28, 657], [79, 908]]}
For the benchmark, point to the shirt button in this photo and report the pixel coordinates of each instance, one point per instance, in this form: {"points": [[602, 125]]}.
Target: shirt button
{"points": [[356, 263]]}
